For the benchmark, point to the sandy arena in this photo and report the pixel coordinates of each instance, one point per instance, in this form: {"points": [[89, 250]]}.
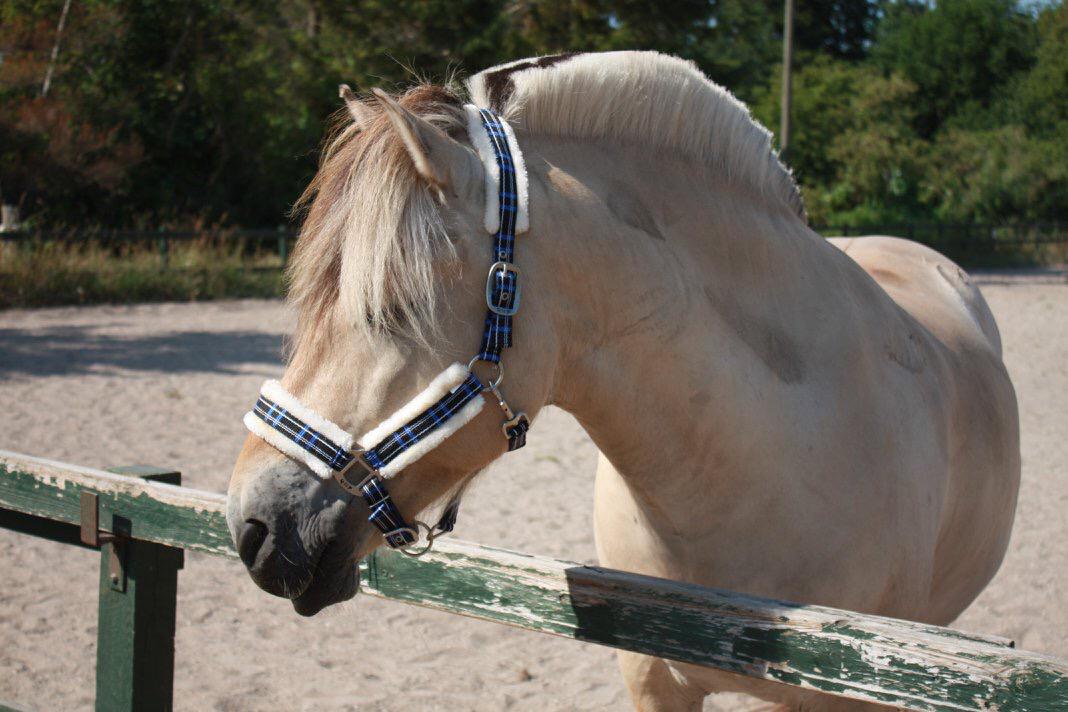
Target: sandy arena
{"points": [[167, 385]]}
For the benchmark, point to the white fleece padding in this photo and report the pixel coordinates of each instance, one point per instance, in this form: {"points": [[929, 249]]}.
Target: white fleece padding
{"points": [[481, 141], [285, 445], [444, 382], [273, 391]]}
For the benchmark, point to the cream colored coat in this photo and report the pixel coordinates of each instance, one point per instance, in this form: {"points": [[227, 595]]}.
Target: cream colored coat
{"points": [[778, 414]]}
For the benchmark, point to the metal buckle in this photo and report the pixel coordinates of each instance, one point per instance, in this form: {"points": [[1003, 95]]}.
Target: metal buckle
{"points": [[511, 418], [512, 422], [505, 267], [342, 475]]}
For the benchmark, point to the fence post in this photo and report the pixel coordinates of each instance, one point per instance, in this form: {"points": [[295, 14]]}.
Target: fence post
{"points": [[164, 250], [9, 222], [283, 244], [135, 624], [9, 218]]}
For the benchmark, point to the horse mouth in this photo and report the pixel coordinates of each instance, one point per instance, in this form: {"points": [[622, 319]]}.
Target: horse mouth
{"points": [[335, 578]]}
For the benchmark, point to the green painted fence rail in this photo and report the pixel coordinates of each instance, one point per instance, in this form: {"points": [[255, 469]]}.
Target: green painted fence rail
{"points": [[853, 655]]}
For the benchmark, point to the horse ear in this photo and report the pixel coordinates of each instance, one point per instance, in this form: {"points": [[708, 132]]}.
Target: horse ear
{"points": [[359, 111], [440, 160]]}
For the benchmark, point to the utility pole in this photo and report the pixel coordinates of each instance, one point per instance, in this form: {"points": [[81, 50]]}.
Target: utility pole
{"points": [[787, 75], [55, 50]]}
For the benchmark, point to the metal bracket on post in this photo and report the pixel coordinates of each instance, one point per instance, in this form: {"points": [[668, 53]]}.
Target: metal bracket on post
{"points": [[91, 535]]}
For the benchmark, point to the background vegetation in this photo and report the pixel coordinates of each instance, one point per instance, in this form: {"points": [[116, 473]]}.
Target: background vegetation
{"points": [[91, 270], [167, 113]]}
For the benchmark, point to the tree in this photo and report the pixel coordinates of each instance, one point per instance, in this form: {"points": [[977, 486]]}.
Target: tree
{"points": [[960, 54], [854, 151], [1041, 99], [838, 28]]}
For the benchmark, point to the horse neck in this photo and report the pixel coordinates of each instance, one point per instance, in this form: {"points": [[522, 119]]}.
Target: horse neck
{"points": [[682, 309]]}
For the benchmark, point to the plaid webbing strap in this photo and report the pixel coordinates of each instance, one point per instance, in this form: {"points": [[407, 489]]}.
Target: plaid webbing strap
{"points": [[503, 283], [295, 429], [384, 513], [423, 424]]}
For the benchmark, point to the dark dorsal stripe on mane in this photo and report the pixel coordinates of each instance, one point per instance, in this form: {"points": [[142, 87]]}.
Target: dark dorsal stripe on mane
{"points": [[499, 84]]}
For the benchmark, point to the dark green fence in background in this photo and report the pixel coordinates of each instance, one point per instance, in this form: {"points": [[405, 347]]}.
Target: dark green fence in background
{"points": [[971, 244]]}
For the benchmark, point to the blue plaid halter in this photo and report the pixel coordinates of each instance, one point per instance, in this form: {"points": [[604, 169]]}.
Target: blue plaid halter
{"points": [[358, 470]]}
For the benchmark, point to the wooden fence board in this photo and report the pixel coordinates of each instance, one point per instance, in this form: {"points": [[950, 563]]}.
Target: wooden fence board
{"points": [[841, 652]]}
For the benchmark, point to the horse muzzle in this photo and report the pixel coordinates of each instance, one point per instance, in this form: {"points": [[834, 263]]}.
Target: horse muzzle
{"points": [[296, 535]]}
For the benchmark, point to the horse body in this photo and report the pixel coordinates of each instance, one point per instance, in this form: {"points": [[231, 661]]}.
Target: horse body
{"points": [[826, 422], [770, 420]]}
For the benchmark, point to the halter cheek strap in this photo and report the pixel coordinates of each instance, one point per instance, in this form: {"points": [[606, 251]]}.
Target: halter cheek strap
{"points": [[451, 400]]}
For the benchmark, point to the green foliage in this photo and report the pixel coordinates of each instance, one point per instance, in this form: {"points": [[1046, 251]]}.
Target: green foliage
{"points": [[838, 28], [1041, 97], [854, 153], [989, 174], [960, 54], [167, 113]]}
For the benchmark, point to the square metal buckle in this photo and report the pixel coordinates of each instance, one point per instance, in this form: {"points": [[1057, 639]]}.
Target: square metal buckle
{"points": [[358, 460], [505, 267]]}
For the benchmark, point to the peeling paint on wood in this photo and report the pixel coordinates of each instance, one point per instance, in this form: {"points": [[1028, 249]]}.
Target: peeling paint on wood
{"points": [[849, 654], [158, 512]]}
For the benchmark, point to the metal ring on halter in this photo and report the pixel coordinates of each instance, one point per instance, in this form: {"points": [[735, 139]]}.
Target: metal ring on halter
{"points": [[500, 371], [415, 553]]}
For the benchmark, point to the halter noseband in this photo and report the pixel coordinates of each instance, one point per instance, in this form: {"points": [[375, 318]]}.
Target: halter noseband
{"points": [[452, 399]]}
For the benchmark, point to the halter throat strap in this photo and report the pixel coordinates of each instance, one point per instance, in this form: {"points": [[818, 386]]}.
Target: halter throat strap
{"points": [[450, 401]]}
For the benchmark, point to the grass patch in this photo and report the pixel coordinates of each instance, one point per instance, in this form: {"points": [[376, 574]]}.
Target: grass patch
{"points": [[100, 270], [37, 273]]}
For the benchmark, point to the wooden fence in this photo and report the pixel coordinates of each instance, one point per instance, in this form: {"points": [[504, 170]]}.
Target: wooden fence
{"points": [[141, 520]]}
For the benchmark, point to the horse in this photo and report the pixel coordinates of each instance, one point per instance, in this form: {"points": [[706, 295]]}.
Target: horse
{"points": [[824, 421]]}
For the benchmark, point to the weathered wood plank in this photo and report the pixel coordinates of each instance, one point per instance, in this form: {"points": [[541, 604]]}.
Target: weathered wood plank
{"points": [[858, 656], [157, 512], [840, 652]]}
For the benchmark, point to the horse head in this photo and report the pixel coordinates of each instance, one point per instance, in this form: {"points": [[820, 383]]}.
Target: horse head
{"points": [[390, 282]]}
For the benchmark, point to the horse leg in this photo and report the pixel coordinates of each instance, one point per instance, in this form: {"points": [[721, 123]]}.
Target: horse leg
{"points": [[653, 687]]}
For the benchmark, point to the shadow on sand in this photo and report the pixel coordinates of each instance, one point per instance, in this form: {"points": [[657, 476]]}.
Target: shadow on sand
{"points": [[73, 350]]}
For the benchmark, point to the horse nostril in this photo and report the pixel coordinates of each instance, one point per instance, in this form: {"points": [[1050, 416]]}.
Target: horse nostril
{"points": [[249, 540]]}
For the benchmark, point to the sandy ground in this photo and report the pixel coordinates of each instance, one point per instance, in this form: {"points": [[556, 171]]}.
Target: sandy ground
{"points": [[167, 385]]}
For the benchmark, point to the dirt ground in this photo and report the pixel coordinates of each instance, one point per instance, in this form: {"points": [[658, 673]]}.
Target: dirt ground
{"points": [[167, 385]]}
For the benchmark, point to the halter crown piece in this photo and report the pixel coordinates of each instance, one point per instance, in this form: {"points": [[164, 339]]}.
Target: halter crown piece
{"points": [[362, 467]]}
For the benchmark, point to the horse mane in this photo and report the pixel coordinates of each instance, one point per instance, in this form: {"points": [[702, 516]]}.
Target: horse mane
{"points": [[644, 98], [373, 232]]}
